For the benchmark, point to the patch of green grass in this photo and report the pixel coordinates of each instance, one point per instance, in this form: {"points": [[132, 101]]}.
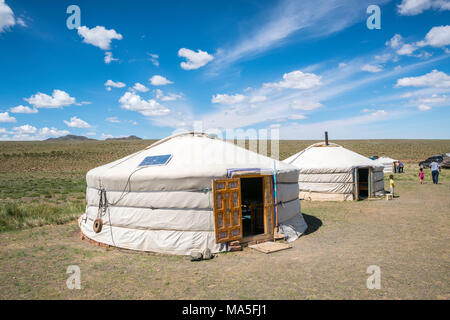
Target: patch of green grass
{"points": [[34, 195], [14, 216]]}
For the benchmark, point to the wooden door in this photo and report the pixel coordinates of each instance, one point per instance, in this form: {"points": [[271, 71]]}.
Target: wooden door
{"points": [[227, 209], [268, 205], [356, 184]]}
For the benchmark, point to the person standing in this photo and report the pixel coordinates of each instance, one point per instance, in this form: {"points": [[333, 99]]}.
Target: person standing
{"points": [[400, 167], [421, 175], [435, 168], [391, 184]]}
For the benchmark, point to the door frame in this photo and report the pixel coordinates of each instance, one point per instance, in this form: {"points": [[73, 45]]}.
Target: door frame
{"points": [[356, 182], [268, 201]]}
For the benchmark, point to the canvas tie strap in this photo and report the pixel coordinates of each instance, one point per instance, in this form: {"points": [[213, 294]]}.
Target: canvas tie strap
{"points": [[102, 207], [102, 204]]}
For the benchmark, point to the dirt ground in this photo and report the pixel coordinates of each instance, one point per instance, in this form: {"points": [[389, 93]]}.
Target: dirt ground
{"points": [[408, 238]]}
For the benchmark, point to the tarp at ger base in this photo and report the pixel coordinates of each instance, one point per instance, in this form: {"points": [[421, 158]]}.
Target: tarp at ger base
{"points": [[183, 193]]}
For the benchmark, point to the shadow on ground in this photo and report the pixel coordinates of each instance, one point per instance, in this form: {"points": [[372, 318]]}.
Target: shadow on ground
{"points": [[313, 223]]}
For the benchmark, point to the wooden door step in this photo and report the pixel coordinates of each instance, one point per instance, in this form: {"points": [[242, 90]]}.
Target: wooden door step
{"points": [[269, 247]]}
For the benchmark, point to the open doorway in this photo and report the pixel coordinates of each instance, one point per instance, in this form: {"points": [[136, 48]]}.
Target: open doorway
{"points": [[363, 183], [252, 200]]}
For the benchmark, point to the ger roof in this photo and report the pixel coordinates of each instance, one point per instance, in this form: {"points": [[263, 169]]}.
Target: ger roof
{"points": [[328, 158]]}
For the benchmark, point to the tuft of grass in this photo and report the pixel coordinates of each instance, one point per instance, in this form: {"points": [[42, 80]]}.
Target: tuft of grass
{"points": [[14, 216]]}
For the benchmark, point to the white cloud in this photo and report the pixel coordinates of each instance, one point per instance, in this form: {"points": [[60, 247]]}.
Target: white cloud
{"points": [[297, 80], [293, 20], [435, 78], [111, 83], [28, 132], [58, 99], [99, 36], [140, 87], [5, 117], [113, 119], [433, 99], [400, 47], [383, 57], [371, 68], [423, 107], [6, 17], [228, 99], [159, 93], [437, 37], [158, 80], [194, 59], [23, 109], [106, 136], [25, 129], [169, 97], [109, 57], [406, 49], [91, 134], [336, 81], [149, 108], [414, 7], [21, 22], [305, 105], [77, 123], [395, 42], [379, 113], [52, 132], [343, 128], [297, 117], [426, 103], [154, 59], [257, 99]]}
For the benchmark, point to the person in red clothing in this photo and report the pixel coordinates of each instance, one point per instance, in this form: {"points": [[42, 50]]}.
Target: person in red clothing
{"points": [[421, 176]]}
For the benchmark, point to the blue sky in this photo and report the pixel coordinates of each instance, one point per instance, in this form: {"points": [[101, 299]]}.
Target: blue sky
{"points": [[150, 68]]}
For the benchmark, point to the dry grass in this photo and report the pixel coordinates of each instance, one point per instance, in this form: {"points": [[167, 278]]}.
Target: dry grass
{"points": [[80, 156], [407, 237]]}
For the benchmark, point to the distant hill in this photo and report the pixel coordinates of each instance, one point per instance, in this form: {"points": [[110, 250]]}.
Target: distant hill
{"points": [[125, 138], [70, 137]]}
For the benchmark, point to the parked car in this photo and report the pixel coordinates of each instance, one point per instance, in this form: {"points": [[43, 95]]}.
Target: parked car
{"points": [[443, 161]]}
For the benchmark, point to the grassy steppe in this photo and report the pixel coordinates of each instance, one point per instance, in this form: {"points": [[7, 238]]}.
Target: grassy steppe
{"points": [[407, 238], [44, 182]]}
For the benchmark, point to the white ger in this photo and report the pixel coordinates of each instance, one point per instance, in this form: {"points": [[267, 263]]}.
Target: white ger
{"points": [[191, 192], [330, 172]]}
